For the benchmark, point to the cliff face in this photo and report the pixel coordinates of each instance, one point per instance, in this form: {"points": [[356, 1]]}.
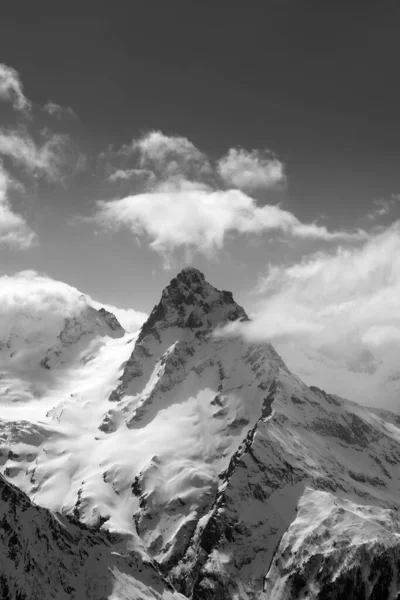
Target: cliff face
{"points": [[205, 454]]}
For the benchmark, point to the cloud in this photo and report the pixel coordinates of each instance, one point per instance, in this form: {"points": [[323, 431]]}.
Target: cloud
{"points": [[58, 111], [335, 316], [182, 207], [26, 151], [383, 207], [11, 89], [162, 157], [52, 158], [171, 156], [40, 153], [251, 171], [199, 219], [141, 175], [355, 287], [14, 230]]}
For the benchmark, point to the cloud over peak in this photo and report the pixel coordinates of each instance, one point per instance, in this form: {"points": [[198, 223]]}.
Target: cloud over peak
{"points": [[186, 202]]}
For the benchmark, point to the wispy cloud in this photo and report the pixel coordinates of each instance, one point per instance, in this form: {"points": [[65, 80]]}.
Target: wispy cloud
{"points": [[352, 291], [184, 204], [138, 175], [49, 158], [29, 151], [58, 111], [11, 89], [14, 230], [383, 206]]}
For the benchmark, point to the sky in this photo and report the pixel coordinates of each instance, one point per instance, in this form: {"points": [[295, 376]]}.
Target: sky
{"points": [[258, 143]]}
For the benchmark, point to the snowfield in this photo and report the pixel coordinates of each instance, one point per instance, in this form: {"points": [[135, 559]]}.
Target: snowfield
{"points": [[200, 452]]}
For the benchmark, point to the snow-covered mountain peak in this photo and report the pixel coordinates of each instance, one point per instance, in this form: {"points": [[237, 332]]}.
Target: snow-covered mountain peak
{"points": [[189, 301], [208, 455]]}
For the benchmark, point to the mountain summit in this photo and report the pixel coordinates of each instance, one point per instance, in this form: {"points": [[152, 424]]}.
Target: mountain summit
{"points": [[190, 301], [208, 458]]}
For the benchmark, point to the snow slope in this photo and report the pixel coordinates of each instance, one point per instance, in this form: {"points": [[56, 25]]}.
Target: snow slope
{"points": [[208, 455]]}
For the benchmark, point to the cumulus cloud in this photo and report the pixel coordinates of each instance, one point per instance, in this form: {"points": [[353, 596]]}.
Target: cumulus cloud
{"points": [[14, 230], [58, 111], [198, 219], [11, 88], [157, 157], [171, 156], [336, 316], [251, 171], [182, 206]]}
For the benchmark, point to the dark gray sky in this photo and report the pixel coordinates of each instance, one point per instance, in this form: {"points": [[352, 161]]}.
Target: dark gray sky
{"points": [[315, 82]]}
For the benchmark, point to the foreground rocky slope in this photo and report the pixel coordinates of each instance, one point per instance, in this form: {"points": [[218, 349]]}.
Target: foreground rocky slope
{"points": [[204, 453], [47, 556]]}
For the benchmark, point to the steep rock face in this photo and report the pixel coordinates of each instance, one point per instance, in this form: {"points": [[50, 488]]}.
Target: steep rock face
{"points": [[46, 556], [190, 301]]}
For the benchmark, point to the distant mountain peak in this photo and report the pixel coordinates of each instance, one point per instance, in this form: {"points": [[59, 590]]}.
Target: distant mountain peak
{"points": [[189, 301]]}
